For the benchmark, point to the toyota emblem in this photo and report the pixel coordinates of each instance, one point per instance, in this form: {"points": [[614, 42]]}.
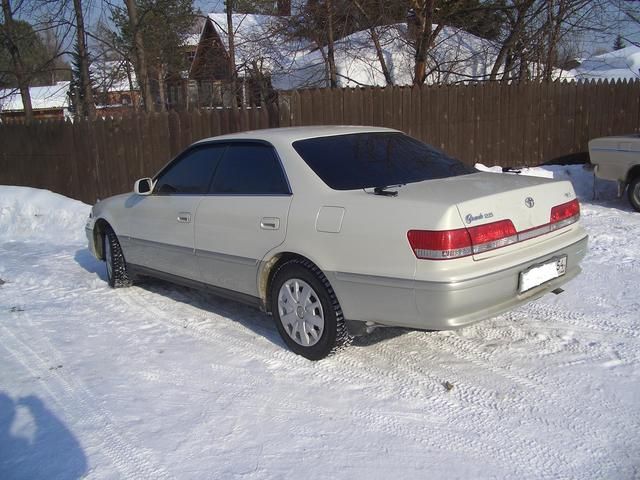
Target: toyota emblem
{"points": [[529, 202]]}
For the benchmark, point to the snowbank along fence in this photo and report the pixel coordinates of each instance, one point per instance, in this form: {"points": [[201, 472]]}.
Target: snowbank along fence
{"points": [[495, 124]]}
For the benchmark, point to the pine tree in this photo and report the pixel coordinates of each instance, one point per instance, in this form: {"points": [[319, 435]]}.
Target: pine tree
{"points": [[619, 43], [76, 93]]}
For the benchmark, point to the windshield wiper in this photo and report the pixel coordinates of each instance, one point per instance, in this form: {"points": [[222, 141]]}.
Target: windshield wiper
{"points": [[385, 192]]}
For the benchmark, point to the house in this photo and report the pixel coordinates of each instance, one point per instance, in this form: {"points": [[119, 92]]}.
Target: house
{"points": [[262, 49], [115, 86], [50, 101]]}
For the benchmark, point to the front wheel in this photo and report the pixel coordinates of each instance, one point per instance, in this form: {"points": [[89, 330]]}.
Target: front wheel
{"points": [[117, 275], [634, 193], [306, 310]]}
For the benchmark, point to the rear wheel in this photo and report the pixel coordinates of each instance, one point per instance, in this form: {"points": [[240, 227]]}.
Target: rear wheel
{"points": [[306, 310], [634, 193], [117, 275]]}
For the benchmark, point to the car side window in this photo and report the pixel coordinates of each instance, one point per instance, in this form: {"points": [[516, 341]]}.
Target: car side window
{"points": [[191, 173], [250, 169]]}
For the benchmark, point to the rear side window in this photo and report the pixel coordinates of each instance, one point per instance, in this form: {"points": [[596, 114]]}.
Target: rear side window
{"points": [[364, 160], [249, 169], [191, 173]]}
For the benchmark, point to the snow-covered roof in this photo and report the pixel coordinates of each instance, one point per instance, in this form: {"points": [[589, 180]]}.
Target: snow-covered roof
{"points": [[42, 98], [619, 64], [457, 56], [111, 75], [191, 40]]}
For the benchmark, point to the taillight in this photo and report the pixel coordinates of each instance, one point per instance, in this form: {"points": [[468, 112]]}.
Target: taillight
{"points": [[566, 211], [440, 245], [462, 242]]}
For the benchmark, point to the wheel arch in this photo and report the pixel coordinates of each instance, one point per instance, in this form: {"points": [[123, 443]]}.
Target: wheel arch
{"points": [[633, 173], [268, 269], [99, 230]]}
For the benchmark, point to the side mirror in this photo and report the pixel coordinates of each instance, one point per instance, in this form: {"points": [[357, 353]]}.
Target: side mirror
{"points": [[144, 186]]}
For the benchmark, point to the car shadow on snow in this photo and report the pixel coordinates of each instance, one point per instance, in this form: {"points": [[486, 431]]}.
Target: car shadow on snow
{"points": [[35, 443], [253, 319], [91, 264]]}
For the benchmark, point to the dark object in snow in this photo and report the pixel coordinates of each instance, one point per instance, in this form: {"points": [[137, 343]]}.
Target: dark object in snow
{"points": [[448, 386], [55, 368], [2, 282], [16, 309]]}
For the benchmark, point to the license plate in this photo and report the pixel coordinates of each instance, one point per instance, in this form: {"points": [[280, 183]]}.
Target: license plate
{"points": [[539, 274]]}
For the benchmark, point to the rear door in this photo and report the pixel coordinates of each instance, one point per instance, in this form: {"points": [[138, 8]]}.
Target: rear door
{"points": [[243, 217], [162, 224]]}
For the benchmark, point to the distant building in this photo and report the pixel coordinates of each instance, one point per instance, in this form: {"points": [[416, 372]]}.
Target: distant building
{"points": [[51, 101]]}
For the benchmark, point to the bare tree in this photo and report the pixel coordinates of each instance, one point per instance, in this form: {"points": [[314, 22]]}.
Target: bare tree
{"points": [[140, 64], [10, 41], [88, 105]]}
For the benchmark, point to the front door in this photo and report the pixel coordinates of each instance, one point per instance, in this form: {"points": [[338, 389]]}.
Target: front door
{"points": [[162, 224]]}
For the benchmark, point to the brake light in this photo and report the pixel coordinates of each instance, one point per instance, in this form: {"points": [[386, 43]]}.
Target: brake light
{"points": [[440, 245], [461, 242], [566, 211]]}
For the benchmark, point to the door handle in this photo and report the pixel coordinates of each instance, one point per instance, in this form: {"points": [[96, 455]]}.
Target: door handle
{"points": [[184, 217], [270, 223]]}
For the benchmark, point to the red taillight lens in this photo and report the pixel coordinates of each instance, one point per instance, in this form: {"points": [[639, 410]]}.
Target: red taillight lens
{"points": [[492, 235], [440, 245], [565, 211]]}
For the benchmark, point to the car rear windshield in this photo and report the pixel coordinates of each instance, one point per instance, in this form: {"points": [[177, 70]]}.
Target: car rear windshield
{"points": [[365, 160]]}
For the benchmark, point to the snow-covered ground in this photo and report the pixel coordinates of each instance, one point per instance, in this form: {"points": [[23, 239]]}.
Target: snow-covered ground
{"points": [[158, 381]]}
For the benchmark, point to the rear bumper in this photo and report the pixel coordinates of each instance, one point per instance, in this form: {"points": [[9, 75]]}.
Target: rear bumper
{"points": [[446, 305]]}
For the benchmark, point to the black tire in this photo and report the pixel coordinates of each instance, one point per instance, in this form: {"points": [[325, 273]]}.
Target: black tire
{"points": [[334, 335], [117, 275], [633, 192]]}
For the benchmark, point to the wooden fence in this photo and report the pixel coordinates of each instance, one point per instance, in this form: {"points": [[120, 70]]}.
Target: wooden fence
{"points": [[495, 124]]}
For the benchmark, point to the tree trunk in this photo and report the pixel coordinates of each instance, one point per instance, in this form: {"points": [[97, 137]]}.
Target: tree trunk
{"points": [[376, 41], [331, 59], [161, 89], [88, 107], [426, 35], [233, 78], [141, 63], [16, 60]]}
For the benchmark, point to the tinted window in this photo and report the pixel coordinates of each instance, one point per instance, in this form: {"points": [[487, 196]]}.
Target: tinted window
{"points": [[249, 169], [364, 160], [192, 172]]}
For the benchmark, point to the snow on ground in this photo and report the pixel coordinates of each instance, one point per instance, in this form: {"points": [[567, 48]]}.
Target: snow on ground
{"points": [[157, 381]]}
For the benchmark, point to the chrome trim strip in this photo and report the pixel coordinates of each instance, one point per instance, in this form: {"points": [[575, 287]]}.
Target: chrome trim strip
{"points": [[224, 257], [166, 246]]}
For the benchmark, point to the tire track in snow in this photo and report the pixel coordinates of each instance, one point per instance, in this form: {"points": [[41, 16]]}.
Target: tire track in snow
{"points": [[130, 461], [343, 369]]}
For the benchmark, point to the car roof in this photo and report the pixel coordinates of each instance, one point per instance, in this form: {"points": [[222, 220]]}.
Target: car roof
{"points": [[292, 134]]}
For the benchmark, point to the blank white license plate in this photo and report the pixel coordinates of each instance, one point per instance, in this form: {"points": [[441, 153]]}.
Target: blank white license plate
{"points": [[540, 274]]}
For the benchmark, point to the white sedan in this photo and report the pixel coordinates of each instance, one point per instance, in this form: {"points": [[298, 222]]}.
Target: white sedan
{"points": [[338, 230]]}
